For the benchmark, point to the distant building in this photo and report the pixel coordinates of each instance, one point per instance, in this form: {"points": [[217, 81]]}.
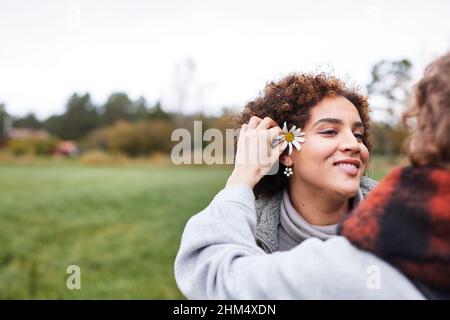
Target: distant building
{"points": [[27, 133], [62, 148]]}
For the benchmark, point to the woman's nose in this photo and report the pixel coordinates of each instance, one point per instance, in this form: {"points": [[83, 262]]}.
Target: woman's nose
{"points": [[350, 143]]}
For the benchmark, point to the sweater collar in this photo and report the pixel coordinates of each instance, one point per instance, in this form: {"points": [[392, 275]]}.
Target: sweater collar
{"points": [[296, 229]]}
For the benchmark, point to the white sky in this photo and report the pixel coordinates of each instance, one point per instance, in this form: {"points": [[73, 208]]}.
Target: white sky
{"points": [[50, 49]]}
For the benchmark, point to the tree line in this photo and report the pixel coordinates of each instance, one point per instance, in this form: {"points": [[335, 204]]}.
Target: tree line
{"points": [[120, 126], [82, 116], [133, 127]]}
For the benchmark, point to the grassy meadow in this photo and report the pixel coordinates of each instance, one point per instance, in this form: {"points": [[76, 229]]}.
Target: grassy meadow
{"points": [[121, 224]]}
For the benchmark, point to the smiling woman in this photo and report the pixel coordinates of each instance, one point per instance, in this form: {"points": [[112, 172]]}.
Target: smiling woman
{"points": [[327, 172], [296, 99], [261, 235]]}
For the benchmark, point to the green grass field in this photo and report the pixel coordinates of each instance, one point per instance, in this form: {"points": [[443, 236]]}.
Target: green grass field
{"points": [[120, 224]]}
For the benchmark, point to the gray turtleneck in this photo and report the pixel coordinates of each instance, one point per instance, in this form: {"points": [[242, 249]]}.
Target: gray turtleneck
{"points": [[293, 228]]}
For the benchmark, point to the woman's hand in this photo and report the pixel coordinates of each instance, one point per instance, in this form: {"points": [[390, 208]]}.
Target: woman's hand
{"points": [[255, 155]]}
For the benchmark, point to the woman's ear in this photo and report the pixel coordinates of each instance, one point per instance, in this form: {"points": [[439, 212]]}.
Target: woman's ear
{"points": [[286, 160]]}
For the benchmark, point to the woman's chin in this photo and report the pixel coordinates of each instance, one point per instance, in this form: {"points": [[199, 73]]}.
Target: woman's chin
{"points": [[348, 191]]}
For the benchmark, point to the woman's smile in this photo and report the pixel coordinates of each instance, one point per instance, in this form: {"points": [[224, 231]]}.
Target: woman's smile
{"points": [[348, 166]]}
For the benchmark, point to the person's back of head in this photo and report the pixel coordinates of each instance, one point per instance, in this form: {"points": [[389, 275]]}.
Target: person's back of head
{"points": [[405, 220], [429, 145]]}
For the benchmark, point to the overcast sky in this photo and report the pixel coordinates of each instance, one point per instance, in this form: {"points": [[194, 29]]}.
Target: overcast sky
{"points": [[50, 49]]}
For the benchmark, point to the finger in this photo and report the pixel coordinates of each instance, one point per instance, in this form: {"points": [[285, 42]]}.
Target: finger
{"points": [[274, 136], [254, 122], [276, 152], [267, 123], [275, 131], [242, 130]]}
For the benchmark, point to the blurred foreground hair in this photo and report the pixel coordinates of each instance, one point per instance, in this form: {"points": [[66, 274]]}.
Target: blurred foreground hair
{"points": [[429, 145]]}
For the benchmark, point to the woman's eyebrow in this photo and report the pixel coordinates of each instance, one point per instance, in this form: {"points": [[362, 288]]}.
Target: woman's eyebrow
{"points": [[328, 120], [356, 124]]}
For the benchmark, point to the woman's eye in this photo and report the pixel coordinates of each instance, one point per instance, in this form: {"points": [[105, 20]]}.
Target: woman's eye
{"points": [[329, 132], [332, 132], [359, 136]]}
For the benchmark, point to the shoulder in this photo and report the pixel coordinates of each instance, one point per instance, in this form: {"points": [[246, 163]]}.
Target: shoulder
{"points": [[351, 272]]}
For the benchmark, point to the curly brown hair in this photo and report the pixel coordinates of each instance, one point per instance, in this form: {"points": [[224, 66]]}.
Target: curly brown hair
{"points": [[430, 108], [291, 99]]}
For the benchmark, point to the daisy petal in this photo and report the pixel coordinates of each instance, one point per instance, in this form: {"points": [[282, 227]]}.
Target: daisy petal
{"points": [[285, 130], [300, 139], [297, 132], [284, 145], [296, 145], [292, 129], [290, 148]]}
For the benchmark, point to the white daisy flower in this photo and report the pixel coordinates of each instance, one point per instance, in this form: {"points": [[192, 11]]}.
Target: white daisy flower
{"points": [[289, 138]]}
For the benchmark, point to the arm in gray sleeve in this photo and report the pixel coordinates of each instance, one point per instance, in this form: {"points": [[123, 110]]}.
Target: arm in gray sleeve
{"points": [[219, 259]]}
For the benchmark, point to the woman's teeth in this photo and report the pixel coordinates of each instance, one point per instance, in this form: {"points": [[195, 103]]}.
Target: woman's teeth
{"points": [[347, 165], [348, 168]]}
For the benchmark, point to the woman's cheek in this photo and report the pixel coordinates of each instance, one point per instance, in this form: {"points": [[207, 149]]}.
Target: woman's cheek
{"points": [[365, 158], [365, 154]]}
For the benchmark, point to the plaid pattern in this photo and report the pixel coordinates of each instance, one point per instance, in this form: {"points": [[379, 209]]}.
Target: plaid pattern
{"points": [[406, 221]]}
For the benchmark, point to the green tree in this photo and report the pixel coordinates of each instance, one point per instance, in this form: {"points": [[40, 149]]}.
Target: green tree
{"points": [[117, 107], [80, 117], [54, 125], [4, 119], [28, 121], [140, 110], [390, 87], [157, 112]]}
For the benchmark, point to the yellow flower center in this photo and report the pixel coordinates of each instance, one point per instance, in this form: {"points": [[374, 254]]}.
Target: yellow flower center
{"points": [[289, 137]]}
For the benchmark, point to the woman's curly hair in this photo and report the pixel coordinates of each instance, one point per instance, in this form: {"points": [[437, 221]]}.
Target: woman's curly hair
{"points": [[291, 99], [430, 108]]}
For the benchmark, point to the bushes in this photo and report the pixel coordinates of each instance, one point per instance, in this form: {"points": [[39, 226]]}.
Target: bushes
{"points": [[31, 146], [132, 138]]}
